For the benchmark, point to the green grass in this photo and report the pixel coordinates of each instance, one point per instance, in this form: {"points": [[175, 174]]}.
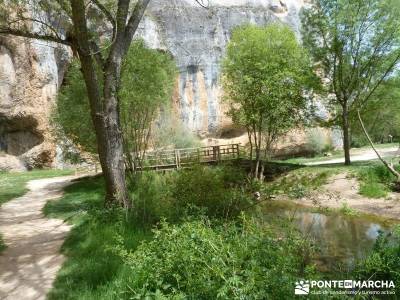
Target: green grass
{"points": [[92, 269], [375, 181], [348, 211], [300, 182], [337, 154], [2, 245], [13, 185]]}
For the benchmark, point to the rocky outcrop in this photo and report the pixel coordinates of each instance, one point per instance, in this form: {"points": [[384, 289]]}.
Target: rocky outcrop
{"points": [[29, 80], [31, 71], [197, 38]]}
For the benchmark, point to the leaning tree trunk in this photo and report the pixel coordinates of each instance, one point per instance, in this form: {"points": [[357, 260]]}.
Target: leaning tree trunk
{"points": [[346, 135], [390, 167]]}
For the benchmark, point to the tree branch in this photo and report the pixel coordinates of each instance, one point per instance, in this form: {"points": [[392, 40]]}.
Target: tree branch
{"points": [[107, 14], [134, 21], [202, 3], [32, 35]]}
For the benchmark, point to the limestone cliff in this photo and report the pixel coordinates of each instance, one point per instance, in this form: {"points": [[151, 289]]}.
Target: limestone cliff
{"points": [[30, 74], [197, 38], [31, 71]]}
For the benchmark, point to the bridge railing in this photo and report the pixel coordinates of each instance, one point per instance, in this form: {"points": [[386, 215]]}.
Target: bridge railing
{"points": [[177, 158]]}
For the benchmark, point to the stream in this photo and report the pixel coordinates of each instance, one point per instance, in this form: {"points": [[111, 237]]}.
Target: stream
{"points": [[341, 239]]}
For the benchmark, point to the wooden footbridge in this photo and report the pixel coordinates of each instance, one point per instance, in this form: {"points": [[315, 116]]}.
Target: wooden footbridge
{"points": [[181, 158]]}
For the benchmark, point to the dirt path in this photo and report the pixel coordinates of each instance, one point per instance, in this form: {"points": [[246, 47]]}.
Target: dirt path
{"points": [[358, 156], [31, 260], [342, 189]]}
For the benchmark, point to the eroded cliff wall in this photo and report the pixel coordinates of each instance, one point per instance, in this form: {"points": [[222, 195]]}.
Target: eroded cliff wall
{"points": [[197, 38], [31, 71]]}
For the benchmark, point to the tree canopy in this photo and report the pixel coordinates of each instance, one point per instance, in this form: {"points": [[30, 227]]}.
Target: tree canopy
{"points": [[266, 76], [147, 80], [355, 44], [381, 115]]}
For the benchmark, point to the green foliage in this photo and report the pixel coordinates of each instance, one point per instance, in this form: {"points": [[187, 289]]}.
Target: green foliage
{"points": [[171, 132], [2, 244], [92, 267], [356, 45], [195, 259], [384, 261], [215, 192], [375, 181], [152, 201], [381, 115], [147, 79], [347, 211], [13, 185], [147, 82], [72, 114], [299, 183], [201, 260], [219, 192], [317, 141], [265, 75]]}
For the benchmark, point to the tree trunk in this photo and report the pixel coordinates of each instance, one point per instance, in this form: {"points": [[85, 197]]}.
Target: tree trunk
{"points": [[113, 156], [112, 159], [346, 135], [387, 165]]}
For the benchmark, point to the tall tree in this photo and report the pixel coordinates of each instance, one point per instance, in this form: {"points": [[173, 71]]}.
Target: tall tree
{"points": [[266, 75], [99, 33], [356, 46], [147, 80]]}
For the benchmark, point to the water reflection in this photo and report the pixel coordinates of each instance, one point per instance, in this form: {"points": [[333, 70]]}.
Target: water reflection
{"points": [[342, 240]]}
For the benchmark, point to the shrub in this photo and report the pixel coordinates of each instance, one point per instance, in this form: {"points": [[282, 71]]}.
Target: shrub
{"points": [[384, 261], [375, 181], [219, 192], [196, 260], [216, 192], [151, 197], [317, 141]]}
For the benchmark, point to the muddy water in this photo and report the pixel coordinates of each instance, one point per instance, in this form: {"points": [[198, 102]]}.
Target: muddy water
{"points": [[341, 239]]}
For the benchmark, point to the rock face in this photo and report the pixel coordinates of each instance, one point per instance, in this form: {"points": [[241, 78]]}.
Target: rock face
{"points": [[29, 80], [197, 38], [32, 71]]}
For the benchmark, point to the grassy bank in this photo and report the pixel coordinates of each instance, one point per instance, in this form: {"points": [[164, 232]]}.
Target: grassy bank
{"points": [[339, 154], [92, 269], [200, 251], [13, 185], [186, 239], [374, 179]]}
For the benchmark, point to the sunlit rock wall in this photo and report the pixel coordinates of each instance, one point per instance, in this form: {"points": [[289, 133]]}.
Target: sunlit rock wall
{"points": [[29, 80], [197, 38], [31, 72]]}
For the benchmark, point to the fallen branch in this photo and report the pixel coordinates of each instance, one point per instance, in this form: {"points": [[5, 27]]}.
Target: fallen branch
{"points": [[387, 165]]}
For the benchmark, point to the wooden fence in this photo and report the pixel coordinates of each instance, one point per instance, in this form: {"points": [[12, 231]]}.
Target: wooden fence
{"points": [[180, 158]]}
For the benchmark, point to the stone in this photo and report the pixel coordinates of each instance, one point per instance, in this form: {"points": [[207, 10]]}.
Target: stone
{"points": [[10, 163]]}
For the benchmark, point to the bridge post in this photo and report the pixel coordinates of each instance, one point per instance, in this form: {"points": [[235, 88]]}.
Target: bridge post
{"points": [[177, 159]]}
